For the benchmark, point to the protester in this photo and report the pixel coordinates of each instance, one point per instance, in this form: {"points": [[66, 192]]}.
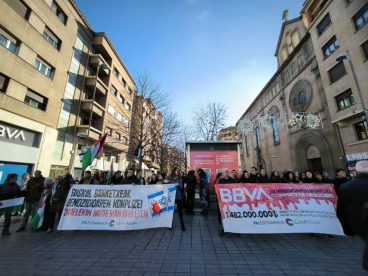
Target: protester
{"points": [[130, 178], [245, 178], [203, 190], [218, 177], [45, 203], [160, 179], [226, 178], [191, 185], [9, 190], [153, 179], [32, 194], [87, 178], [58, 198], [102, 177], [174, 178], [352, 206], [234, 176], [253, 175], [262, 177], [302, 178], [140, 178], [309, 177], [340, 179], [275, 177], [117, 178], [290, 178]]}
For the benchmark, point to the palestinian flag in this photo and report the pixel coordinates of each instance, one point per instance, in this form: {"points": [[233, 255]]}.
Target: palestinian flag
{"points": [[92, 152], [38, 217], [11, 206]]}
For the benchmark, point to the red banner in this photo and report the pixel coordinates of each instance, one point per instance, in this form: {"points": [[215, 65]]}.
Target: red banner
{"points": [[278, 208], [213, 162]]}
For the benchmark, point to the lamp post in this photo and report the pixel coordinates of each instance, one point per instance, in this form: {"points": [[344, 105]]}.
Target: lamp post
{"points": [[348, 57]]}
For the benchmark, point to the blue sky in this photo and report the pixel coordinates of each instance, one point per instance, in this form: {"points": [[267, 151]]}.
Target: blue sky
{"points": [[198, 50]]}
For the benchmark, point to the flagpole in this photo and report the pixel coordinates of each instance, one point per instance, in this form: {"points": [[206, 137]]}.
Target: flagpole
{"points": [[103, 167]]}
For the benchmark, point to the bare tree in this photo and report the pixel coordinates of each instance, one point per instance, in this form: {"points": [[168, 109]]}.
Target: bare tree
{"points": [[209, 120], [145, 125]]}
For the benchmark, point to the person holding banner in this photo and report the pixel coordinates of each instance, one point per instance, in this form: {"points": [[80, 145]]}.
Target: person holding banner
{"points": [[9, 190], [352, 206], [174, 178]]}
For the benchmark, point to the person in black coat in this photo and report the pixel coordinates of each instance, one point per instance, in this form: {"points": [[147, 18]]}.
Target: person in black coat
{"points": [[352, 206], [191, 181], [9, 190], [117, 178], [262, 177], [130, 178], [253, 175], [339, 180]]}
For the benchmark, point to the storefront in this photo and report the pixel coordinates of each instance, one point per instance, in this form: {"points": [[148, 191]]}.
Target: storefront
{"points": [[19, 149]]}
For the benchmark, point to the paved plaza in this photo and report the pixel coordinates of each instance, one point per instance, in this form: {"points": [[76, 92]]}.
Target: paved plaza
{"points": [[197, 251]]}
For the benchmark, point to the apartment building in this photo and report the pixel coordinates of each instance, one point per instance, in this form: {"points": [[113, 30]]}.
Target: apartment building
{"points": [[56, 88], [145, 134], [339, 33]]}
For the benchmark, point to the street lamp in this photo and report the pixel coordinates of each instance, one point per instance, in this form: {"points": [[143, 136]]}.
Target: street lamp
{"points": [[348, 57]]}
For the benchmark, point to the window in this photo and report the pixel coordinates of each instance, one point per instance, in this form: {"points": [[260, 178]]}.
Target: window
{"points": [[129, 107], [246, 145], [365, 49], [118, 136], [125, 140], [4, 80], [122, 81], [20, 7], [361, 18], [284, 53], [43, 67], [325, 22], [258, 138], [51, 38], [116, 72], [108, 130], [296, 38], [114, 91], [35, 100], [337, 72], [130, 91], [331, 46], [344, 100], [8, 41], [121, 99], [275, 130], [59, 12], [361, 130]]}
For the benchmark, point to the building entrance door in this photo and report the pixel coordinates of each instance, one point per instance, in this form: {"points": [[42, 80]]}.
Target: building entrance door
{"points": [[315, 165]]}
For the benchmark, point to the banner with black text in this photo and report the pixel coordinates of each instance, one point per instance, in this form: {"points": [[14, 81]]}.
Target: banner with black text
{"points": [[278, 208], [118, 207]]}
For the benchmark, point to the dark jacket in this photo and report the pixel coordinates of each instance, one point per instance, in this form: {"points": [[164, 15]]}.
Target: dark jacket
{"points": [[34, 189], [59, 196], [352, 206], [338, 182], [226, 181], [276, 179], [179, 185], [131, 180], [263, 179], [191, 182], [253, 178], [117, 180], [10, 190]]}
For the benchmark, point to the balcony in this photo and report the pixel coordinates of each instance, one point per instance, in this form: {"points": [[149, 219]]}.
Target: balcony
{"points": [[94, 134], [88, 105], [101, 87], [95, 59]]}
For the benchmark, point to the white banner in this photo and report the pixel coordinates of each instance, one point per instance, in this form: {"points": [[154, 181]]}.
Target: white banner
{"points": [[278, 208], [118, 207]]}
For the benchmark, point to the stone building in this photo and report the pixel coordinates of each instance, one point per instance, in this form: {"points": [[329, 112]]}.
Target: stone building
{"points": [[266, 130], [59, 83], [339, 31], [228, 134]]}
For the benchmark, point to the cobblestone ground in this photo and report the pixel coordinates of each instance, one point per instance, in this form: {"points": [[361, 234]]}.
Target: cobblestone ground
{"points": [[197, 251]]}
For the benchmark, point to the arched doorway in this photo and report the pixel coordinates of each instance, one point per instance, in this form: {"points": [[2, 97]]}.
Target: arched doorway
{"points": [[313, 152]]}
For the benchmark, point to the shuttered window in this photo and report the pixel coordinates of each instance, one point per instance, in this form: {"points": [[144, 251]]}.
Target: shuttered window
{"points": [[20, 7], [337, 72]]}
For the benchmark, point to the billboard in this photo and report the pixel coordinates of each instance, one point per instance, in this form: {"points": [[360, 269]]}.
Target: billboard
{"points": [[213, 162]]}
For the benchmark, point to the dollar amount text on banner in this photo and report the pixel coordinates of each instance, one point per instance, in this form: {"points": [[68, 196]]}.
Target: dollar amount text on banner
{"points": [[278, 208], [119, 207]]}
